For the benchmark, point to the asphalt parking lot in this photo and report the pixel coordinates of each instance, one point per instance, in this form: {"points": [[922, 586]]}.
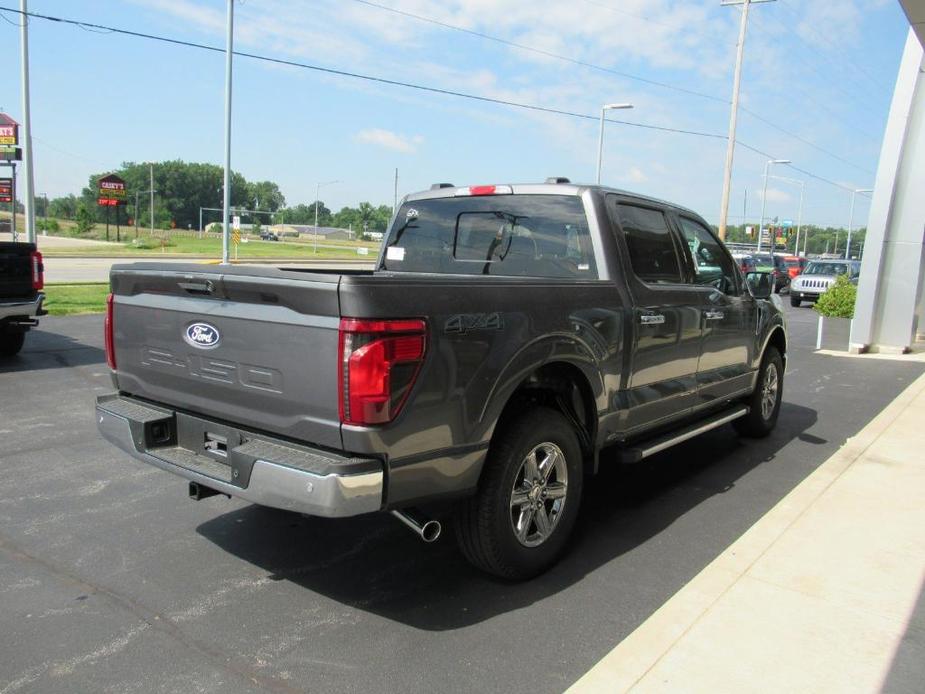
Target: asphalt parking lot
{"points": [[112, 580]]}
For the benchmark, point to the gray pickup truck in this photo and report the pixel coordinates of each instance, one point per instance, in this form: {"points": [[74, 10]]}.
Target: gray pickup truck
{"points": [[21, 298], [507, 336]]}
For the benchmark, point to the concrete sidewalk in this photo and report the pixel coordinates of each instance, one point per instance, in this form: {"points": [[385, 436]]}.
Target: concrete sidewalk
{"points": [[823, 594]]}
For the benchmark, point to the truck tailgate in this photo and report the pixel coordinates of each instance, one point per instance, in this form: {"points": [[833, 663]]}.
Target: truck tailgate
{"points": [[264, 354], [16, 271]]}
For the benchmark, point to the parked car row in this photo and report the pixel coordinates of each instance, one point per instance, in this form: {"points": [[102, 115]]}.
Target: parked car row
{"points": [[782, 267]]}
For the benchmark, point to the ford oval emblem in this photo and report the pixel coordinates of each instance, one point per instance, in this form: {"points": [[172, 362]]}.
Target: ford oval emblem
{"points": [[202, 335]]}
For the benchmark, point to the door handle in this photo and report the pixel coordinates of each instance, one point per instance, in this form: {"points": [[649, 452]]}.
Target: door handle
{"points": [[714, 315], [652, 319]]}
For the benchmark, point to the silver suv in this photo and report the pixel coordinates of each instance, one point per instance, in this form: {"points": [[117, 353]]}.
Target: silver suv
{"points": [[818, 276]]}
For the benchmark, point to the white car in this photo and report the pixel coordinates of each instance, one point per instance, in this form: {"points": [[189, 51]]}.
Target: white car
{"points": [[818, 276]]}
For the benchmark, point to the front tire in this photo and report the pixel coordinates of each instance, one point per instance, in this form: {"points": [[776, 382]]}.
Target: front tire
{"points": [[518, 523], [795, 301], [764, 402], [11, 343]]}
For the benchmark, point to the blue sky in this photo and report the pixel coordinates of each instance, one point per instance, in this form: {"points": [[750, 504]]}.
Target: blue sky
{"points": [[821, 70]]}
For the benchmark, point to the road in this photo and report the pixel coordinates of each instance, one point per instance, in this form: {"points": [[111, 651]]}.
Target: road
{"points": [[97, 269], [64, 242], [112, 580]]}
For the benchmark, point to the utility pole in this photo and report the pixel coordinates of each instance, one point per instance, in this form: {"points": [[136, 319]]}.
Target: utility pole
{"points": [[395, 198], [226, 203], [28, 177], [734, 112], [13, 191], [317, 195]]}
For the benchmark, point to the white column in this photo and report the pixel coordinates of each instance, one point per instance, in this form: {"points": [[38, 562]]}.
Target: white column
{"points": [[890, 286]]}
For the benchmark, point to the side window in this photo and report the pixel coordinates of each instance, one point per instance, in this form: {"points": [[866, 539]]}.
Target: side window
{"points": [[653, 254], [712, 265]]}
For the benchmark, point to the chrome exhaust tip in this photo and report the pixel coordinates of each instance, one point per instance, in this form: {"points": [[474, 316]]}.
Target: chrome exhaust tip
{"points": [[427, 529]]}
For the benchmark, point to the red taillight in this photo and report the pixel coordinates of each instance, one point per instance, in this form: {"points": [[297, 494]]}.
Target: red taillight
{"points": [[38, 271], [481, 190], [379, 362], [107, 335]]}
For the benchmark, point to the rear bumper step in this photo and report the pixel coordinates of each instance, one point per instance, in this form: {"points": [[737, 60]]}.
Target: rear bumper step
{"points": [[634, 454], [241, 463]]}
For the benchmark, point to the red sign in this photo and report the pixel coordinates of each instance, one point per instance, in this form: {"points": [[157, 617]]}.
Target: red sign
{"points": [[6, 190], [111, 191]]}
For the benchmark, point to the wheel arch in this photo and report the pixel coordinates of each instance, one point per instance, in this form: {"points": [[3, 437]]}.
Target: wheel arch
{"points": [[565, 387]]}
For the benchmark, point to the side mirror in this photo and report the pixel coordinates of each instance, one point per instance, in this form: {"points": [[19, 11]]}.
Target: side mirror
{"points": [[759, 283]]}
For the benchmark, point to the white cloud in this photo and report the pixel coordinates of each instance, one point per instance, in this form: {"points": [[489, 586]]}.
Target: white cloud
{"points": [[635, 175], [775, 195], [389, 140]]}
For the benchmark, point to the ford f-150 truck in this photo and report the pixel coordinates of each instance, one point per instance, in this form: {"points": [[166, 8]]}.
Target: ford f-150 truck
{"points": [[507, 336], [21, 282]]}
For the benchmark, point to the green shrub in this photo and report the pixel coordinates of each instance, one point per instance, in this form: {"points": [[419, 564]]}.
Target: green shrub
{"points": [[838, 300], [50, 224]]}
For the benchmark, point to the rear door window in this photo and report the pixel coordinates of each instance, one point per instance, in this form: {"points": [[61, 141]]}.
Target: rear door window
{"points": [[652, 250], [499, 235]]}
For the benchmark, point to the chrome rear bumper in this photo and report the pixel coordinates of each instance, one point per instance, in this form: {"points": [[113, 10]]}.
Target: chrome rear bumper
{"points": [[258, 469]]}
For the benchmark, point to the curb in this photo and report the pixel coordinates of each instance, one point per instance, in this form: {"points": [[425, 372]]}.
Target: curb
{"points": [[629, 662]]}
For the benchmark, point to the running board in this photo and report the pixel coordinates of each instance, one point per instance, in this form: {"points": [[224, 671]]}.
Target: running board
{"points": [[634, 454]]}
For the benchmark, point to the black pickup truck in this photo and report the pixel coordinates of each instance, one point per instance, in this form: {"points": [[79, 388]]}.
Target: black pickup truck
{"points": [[507, 336], [21, 282]]}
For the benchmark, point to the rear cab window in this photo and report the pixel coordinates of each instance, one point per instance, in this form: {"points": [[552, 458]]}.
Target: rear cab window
{"points": [[496, 235]]}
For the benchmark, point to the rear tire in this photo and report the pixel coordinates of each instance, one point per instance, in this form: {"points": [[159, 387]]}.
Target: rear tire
{"points": [[519, 522], [11, 343], [764, 402]]}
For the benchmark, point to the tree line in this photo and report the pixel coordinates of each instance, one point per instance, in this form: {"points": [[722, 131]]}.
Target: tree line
{"points": [[818, 239], [181, 188]]}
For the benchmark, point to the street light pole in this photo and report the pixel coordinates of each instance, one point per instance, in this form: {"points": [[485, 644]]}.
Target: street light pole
{"points": [[28, 174], [851, 219], [764, 199], [226, 203], [796, 247], [600, 140]]}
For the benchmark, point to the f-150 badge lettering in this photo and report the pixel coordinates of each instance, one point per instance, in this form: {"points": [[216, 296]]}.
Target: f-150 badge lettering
{"points": [[202, 335], [464, 322]]}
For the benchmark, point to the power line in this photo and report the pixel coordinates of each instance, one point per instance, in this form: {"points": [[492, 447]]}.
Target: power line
{"points": [[861, 101], [642, 17], [786, 5], [796, 168], [540, 51], [601, 68], [361, 76], [409, 85], [804, 140]]}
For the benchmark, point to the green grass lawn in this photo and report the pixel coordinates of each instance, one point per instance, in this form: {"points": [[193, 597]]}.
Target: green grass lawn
{"points": [[70, 299], [212, 247]]}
